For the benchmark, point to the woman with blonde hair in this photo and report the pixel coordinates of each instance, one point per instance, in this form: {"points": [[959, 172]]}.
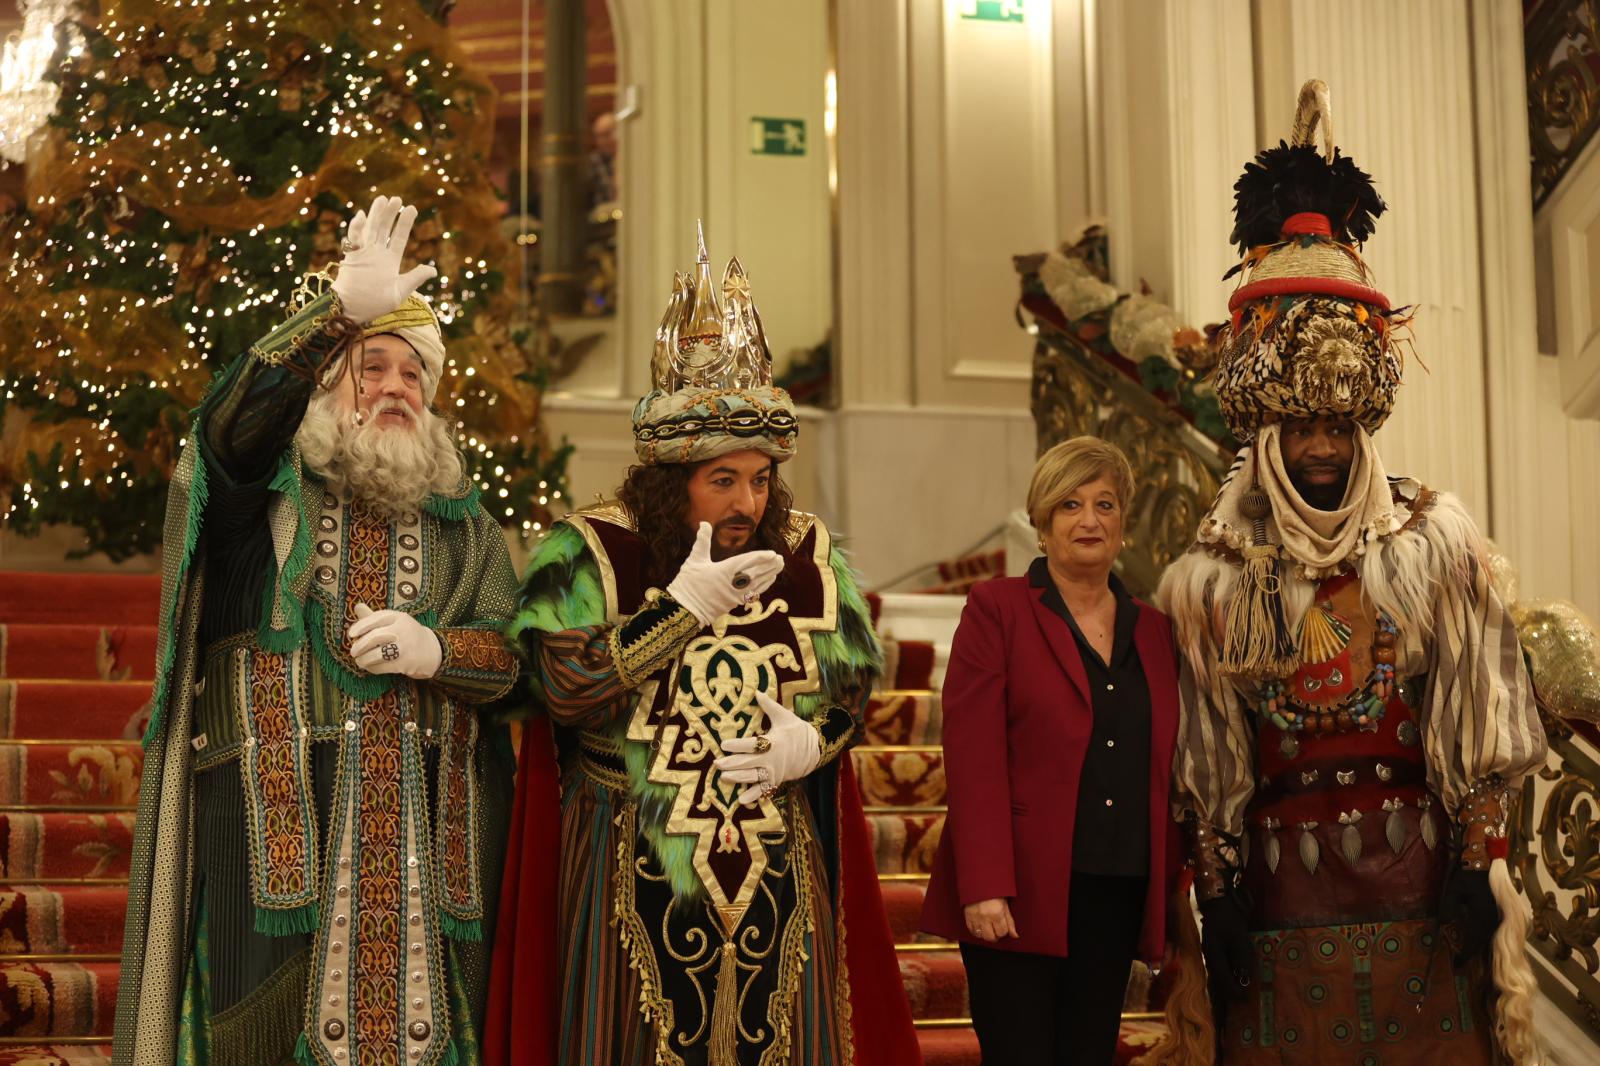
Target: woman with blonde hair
{"points": [[1061, 710]]}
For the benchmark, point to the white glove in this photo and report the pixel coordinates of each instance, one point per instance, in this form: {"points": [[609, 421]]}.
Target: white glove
{"points": [[712, 589], [794, 749], [412, 648], [369, 282]]}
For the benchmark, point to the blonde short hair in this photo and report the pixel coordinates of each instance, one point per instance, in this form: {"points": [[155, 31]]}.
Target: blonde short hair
{"points": [[1069, 466]]}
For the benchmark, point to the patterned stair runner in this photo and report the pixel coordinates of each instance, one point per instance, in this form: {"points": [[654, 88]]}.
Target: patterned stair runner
{"points": [[77, 653]]}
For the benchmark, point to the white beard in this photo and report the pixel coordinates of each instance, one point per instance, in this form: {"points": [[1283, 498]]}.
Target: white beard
{"points": [[391, 470]]}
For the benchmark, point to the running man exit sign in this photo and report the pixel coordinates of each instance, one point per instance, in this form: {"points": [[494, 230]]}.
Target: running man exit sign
{"points": [[777, 136], [992, 10]]}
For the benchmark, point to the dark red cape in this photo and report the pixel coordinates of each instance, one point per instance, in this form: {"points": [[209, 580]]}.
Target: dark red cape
{"points": [[523, 1021]]}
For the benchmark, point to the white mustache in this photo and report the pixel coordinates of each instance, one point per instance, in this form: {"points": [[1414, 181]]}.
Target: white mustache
{"points": [[383, 406]]}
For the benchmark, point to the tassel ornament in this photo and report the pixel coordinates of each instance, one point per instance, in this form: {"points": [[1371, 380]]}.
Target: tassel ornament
{"points": [[724, 1049], [1257, 643]]}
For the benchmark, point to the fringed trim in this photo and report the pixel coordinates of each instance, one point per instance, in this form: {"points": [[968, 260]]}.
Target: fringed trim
{"points": [[723, 1047], [289, 921], [303, 1055], [455, 508], [461, 929], [451, 1055], [362, 687], [792, 957], [635, 939], [168, 651], [1258, 642]]}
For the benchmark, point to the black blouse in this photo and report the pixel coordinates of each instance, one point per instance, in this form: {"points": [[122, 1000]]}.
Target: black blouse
{"points": [[1111, 836]]}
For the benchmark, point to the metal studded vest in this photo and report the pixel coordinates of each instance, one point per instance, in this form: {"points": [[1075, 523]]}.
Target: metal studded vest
{"points": [[1342, 827]]}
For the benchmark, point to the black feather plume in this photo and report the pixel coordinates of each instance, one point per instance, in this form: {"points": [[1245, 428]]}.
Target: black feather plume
{"points": [[1287, 180]]}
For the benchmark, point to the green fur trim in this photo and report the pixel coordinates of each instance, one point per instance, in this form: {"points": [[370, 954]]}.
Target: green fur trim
{"points": [[281, 592], [288, 922], [303, 1054], [675, 853], [850, 656], [460, 928], [455, 508], [168, 652], [561, 588], [451, 1056]]}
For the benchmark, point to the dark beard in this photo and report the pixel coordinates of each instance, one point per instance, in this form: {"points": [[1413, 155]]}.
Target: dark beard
{"points": [[1322, 497], [718, 552]]}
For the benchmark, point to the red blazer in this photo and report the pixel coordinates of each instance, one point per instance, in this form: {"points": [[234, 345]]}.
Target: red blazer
{"points": [[1017, 718]]}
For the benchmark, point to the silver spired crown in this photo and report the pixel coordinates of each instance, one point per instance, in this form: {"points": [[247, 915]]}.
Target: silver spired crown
{"points": [[704, 342]]}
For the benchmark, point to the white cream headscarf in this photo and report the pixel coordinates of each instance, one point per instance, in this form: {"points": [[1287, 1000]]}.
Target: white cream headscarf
{"points": [[1317, 543]]}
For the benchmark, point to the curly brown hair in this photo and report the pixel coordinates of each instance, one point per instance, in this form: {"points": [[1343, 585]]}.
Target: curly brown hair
{"points": [[658, 499]]}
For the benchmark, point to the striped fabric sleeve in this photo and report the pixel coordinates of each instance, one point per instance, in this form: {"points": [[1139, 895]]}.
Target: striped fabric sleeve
{"points": [[582, 687], [1213, 768], [1481, 725]]}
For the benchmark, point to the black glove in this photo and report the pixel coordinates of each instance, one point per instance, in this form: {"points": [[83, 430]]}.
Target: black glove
{"points": [[1467, 904], [1225, 944]]}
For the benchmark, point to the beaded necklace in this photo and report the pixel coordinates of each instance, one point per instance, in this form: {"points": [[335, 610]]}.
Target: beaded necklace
{"points": [[1323, 635]]}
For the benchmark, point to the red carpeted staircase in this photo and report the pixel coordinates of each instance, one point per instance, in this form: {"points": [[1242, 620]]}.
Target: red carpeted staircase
{"points": [[900, 768], [77, 653]]}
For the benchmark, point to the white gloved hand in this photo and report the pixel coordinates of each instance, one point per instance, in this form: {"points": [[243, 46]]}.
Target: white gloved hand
{"points": [[793, 751], [416, 651], [369, 282], [712, 589]]}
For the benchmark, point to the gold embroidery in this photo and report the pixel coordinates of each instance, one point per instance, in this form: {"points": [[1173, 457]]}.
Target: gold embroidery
{"points": [[482, 650], [647, 652]]}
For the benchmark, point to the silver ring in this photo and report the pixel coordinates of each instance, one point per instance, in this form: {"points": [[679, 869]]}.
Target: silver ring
{"points": [[347, 246], [764, 776], [741, 580], [391, 652]]}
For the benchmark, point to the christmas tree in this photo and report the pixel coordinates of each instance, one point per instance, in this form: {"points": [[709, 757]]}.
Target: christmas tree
{"points": [[203, 157]]}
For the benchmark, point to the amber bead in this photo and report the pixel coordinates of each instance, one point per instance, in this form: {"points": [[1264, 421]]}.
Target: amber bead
{"points": [[1384, 640], [1347, 721], [1383, 655]]}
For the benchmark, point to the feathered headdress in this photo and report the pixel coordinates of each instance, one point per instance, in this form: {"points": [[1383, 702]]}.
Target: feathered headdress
{"points": [[1309, 333]]}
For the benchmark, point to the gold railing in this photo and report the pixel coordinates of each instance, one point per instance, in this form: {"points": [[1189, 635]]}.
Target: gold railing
{"points": [[1561, 49], [1555, 858]]}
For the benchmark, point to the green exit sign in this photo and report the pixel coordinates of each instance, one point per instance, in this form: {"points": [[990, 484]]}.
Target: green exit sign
{"points": [[778, 136], [992, 10]]}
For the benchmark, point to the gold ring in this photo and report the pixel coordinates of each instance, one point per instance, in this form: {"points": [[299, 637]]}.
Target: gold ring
{"points": [[763, 744]]}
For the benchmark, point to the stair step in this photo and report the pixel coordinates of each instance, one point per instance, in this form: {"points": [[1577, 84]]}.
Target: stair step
{"points": [[904, 716], [27, 1053], [936, 983], [902, 902], [110, 599], [67, 843], [904, 841], [62, 919], [43, 710], [66, 774], [78, 652], [948, 1047], [45, 1000], [900, 776]]}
